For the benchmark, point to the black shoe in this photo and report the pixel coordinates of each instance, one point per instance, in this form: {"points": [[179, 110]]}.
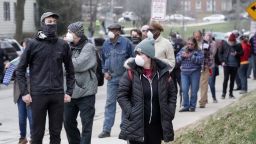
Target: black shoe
{"points": [[184, 110], [192, 109], [202, 106], [215, 100], [237, 89], [104, 134], [223, 96], [231, 96]]}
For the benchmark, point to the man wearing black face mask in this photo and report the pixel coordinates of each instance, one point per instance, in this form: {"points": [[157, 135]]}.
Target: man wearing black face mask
{"points": [[45, 55], [136, 36]]}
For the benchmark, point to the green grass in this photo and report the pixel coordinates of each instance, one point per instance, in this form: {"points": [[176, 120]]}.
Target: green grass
{"points": [[234, 124], [221, 27]]}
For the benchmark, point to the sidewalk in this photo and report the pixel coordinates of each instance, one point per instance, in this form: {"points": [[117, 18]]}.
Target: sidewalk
{"points": [[8, 115]]}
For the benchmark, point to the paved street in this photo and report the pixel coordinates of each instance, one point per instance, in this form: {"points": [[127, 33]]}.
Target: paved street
{"points": [[9, 133]]}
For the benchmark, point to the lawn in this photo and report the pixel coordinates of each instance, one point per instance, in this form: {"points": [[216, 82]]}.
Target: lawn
{"points": [[220, 27], [235, 124]]}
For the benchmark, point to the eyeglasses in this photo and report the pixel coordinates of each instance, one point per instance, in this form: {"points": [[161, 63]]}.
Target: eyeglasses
{"points": [[190, 44], [144, 30]]}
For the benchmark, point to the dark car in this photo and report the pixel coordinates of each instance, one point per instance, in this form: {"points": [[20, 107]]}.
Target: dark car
{"points": [[9, 50]]}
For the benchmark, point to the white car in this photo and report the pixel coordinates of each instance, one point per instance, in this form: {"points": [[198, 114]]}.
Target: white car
{"points": [[128, 15], [178, 17], [215, 17]]}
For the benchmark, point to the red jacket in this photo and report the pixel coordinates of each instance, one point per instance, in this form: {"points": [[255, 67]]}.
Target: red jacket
{"points": [[244, 59]]}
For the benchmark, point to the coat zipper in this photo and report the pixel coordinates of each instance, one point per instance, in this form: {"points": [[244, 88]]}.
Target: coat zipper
{"points": [[151, 98]]}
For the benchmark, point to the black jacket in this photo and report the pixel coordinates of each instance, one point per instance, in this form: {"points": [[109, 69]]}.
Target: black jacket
{"points": [[135, 103], [45, 59], [225, 51]]}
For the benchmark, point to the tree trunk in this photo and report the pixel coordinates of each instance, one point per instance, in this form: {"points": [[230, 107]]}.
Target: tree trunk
{"points": [[19, 19]]}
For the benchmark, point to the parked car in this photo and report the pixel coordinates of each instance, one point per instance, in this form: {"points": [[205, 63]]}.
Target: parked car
{"points": [[215, 17], [15, 44], [178, 17], [9, 49], [129, 16]]}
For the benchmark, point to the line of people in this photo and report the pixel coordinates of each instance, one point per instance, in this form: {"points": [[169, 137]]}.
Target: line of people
{"points": [[142, 76]]}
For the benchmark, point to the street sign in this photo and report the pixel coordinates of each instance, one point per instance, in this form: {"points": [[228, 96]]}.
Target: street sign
{"points": [[158, 10], [251, 9]]}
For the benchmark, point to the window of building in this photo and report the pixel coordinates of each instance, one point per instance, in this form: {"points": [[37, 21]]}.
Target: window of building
{"points": [[210, 5], [198, 4], [226, 5], [187, 5], [7, 12], [15, 6]]}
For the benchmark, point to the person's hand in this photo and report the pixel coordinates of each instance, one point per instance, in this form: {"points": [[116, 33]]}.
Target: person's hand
{"points": [[7, 65], [67, 98], [27, 99], [107, 76]]}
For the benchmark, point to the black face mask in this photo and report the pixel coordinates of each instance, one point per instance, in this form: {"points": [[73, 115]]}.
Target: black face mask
{"points": [[49, 30], [136, 40]]}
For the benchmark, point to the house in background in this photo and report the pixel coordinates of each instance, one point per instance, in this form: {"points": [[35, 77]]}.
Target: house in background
{"points": [[207, 6], [7, 17]]}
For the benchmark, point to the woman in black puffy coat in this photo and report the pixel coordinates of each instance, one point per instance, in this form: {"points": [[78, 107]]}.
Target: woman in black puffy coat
{"points": [[147, 97]]}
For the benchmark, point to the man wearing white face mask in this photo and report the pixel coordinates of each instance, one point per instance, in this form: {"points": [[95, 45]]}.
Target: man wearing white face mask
{"points": [[116, 49], [83, 99], [164, 49]]}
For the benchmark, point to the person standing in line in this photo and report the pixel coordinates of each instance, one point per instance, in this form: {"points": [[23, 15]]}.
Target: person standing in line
{"points": [[253, 56], [213, 68], [190, 58], [164, 49], [24, 110], [177, 44], [147, 98], [206, 66], [136, 36], [229, 55], [45, 56], [144, 31], [114, 52], [83, 98], [244, 63]]}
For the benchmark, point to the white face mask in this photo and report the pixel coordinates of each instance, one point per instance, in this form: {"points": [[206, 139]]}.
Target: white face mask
{"points": [[111, 35], [150, 35], [139, 61], [69, 37]]}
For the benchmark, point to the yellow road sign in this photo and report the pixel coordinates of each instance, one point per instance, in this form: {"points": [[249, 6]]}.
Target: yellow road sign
{"points": [[251, 9]]}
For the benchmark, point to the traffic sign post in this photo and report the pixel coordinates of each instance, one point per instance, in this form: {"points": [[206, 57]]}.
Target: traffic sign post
{"points": [[158, 10]]}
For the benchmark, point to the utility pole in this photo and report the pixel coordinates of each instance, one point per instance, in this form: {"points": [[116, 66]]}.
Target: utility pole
{"points": [[183, 23]]}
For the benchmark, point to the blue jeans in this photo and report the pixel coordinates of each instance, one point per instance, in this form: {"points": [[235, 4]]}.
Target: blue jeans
{"points": [[242, 71], [212, 80], [188, 81], [252, 66], [24, 112], [110, 107]]}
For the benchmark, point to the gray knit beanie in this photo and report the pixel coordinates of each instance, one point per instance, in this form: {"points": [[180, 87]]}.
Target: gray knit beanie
{"points": [[147, 47], [77, 28]]}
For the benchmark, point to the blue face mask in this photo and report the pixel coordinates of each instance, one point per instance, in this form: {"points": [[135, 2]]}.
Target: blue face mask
{"points": [[50, 30]]}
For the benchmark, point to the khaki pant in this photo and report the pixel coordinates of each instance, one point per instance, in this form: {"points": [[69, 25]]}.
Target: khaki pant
{"points": [[204, 87]]}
